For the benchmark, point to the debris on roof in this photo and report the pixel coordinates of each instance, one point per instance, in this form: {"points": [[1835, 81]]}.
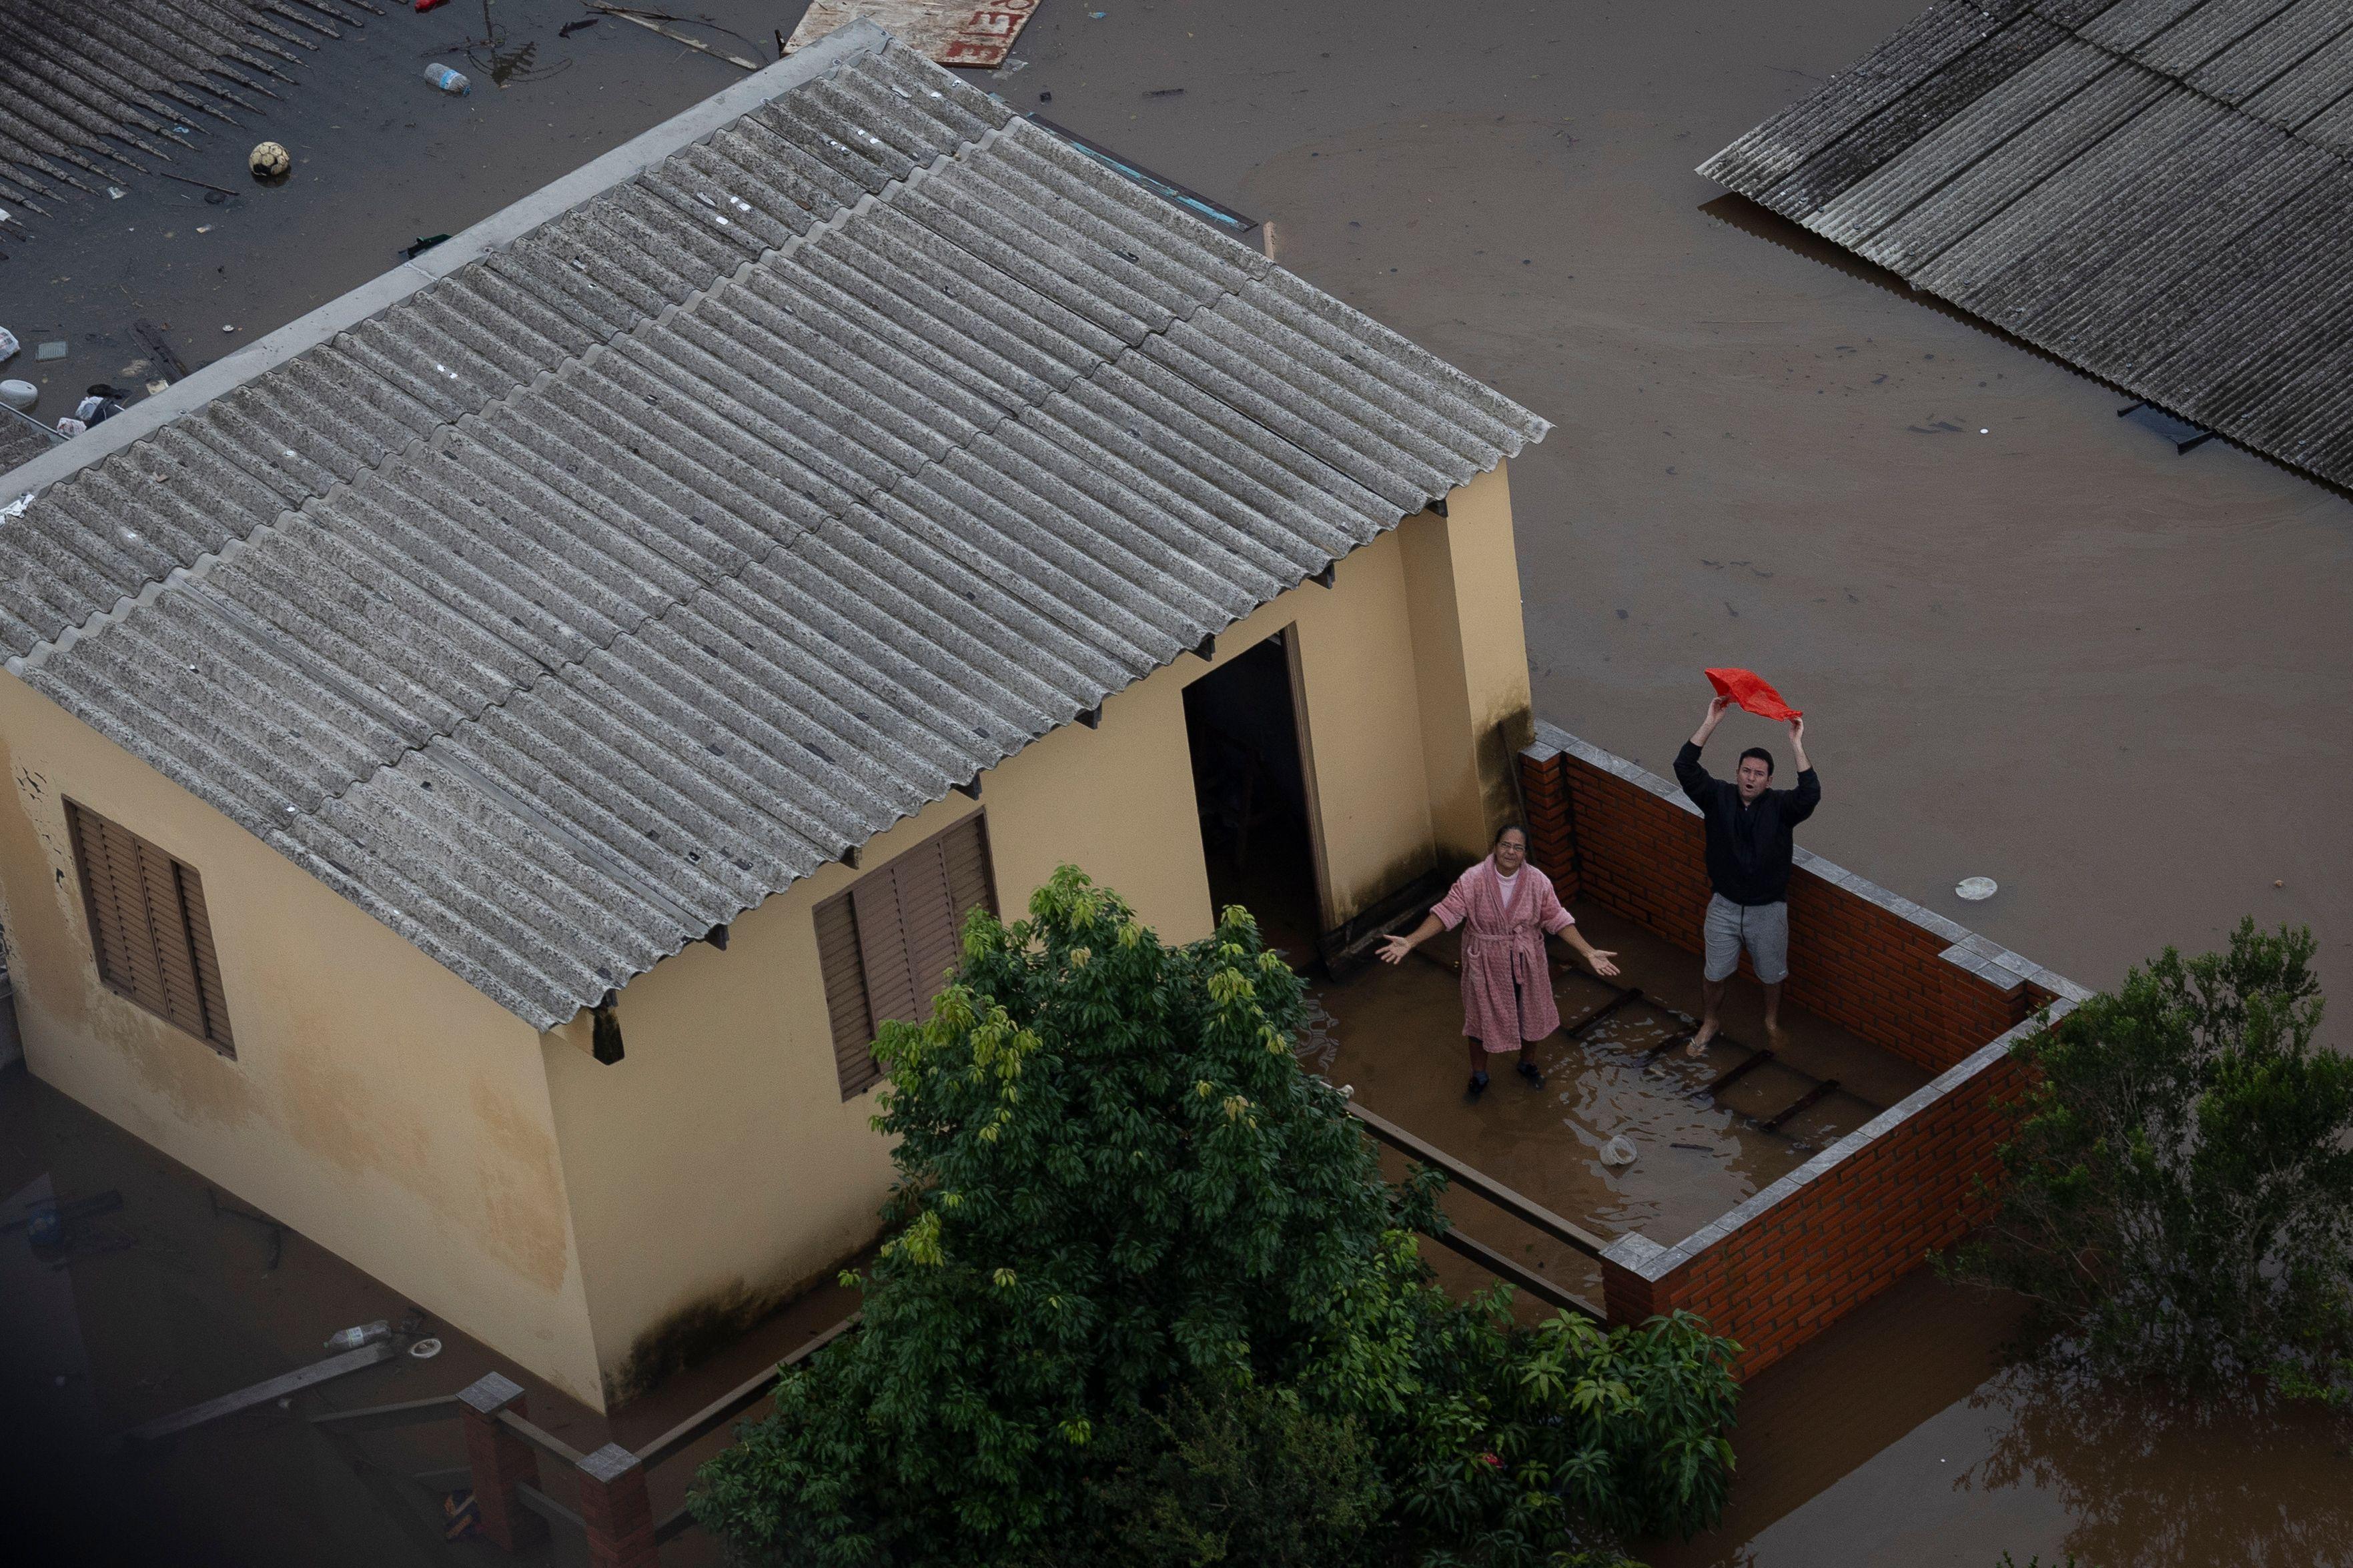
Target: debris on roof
{"points": [[951, 32], [2154, 190], [617, 563], [93, 94]]}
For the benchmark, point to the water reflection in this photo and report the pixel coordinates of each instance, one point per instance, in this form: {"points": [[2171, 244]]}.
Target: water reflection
{"points": [[2146, 1480], [506, 62]]}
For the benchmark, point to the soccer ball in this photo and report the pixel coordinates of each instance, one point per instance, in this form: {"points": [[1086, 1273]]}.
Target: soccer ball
{"points": [[270, 161]]}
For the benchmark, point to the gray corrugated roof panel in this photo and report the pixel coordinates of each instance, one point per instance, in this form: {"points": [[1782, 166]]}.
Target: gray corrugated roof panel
{"points": [[2158, 199], [1950, 151], [2039, 149], [2129, 25], [2118, 319], [1069, 279], [2308, 86], [1950, 92], [2333, 127], [2140, 217], [1943, 34], [2253, 61], [1403, 482], [633, 563], [1176, 242], [942, 291], [2206, 30], [2228, 362], [2141, 151]]}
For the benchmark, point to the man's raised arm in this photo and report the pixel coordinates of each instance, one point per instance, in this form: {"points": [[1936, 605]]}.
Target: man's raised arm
{"points": [[1809, 793], [1695, 778]]}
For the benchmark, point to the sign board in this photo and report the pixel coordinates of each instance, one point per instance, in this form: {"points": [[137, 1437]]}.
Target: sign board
{"points": [[953, 32]]}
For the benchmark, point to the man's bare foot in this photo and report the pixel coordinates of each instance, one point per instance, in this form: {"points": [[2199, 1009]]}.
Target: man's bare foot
{"points": [[1774, 1034], [1698, 1047]]}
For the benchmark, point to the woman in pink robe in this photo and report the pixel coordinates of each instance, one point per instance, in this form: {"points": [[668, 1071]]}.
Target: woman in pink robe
{"points": [[1504, 909]]}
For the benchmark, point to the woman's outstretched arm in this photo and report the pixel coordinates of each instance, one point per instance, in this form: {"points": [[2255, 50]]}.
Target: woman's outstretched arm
{"points": [[1395, 948], [1596, 958]]}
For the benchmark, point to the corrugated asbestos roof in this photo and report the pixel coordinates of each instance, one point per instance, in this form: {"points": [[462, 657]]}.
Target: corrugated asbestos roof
{"points": [[96, 93], [2159, 191], [575, 602]]}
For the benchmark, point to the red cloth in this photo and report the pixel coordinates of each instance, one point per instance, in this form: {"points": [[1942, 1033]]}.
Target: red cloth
{"points": [[1751, 691]]}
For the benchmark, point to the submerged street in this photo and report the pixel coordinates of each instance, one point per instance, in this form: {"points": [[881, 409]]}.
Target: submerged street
{"points": [[2023, 631]]}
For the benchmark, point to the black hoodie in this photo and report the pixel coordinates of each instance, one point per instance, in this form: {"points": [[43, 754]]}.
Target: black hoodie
{"points": [[1748, 843]]}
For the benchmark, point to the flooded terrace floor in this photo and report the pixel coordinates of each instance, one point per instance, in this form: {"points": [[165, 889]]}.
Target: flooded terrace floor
{"points": [[1395, 1034]]}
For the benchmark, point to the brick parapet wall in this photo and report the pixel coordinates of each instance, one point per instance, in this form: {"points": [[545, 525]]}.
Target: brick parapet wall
{"points": [[1897, 974], [1841, 1227]]}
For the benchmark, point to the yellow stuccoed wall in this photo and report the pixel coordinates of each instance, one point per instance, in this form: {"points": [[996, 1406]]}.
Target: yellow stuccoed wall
{"points": [[597, 1224], [378, 1104], [1475, 712], [715, 1170]]}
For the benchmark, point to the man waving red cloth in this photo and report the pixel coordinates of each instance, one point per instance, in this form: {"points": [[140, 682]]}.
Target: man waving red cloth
{"points": [[1749, 855], [1753, 693]]}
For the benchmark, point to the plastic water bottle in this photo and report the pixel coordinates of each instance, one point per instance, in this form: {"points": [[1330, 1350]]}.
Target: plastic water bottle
{"points": [[447, 80], [353, 1339]]}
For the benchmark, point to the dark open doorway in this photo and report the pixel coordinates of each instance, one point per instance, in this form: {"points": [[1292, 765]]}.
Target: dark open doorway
{"points": [[1249, 778]]}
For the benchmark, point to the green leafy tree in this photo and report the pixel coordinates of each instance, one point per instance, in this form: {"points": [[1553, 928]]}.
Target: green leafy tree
{"points": [[1242, 1475], [1131, 1238], [2180, 1187]]}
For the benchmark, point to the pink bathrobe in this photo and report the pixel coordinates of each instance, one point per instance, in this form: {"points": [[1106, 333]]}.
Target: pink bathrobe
{"points": [[1503, 943]]}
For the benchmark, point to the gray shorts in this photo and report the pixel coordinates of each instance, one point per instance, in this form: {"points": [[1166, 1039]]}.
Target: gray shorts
{"points": [[1763, 929]]}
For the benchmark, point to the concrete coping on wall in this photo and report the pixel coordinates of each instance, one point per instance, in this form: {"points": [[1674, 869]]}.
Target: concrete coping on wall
{"points": [[1638, 1254], [1982, 956]]}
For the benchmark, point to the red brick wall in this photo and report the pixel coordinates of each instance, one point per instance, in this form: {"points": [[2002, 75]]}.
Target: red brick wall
{"points": [[1852, 960], [1787, 1273], [1809, 1254]]}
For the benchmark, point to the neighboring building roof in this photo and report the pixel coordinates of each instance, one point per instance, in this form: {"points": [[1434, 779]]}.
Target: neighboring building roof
{"points": [[577, 586], [2154, 190], [91, 94]]}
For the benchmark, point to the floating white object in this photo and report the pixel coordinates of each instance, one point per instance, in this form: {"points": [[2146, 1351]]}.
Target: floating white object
{"points": [[353, 1339], [425, 1350], [1976, 890], [1618, 1152]]}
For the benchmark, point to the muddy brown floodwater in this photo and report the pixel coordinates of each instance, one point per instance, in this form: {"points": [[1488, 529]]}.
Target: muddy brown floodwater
{"points": [[1898, 1437], [2033, 643]]}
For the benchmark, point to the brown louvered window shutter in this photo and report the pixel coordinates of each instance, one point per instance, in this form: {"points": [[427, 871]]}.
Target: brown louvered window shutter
{"points": [[149, 928], [886, 944]]}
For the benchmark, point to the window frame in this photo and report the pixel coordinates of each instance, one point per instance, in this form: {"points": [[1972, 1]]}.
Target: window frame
{"points": [[855, 1069], [187, 923]]}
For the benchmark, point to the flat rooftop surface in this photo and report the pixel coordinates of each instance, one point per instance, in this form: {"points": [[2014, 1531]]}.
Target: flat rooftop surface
{"points": [[1395, 1034]]}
